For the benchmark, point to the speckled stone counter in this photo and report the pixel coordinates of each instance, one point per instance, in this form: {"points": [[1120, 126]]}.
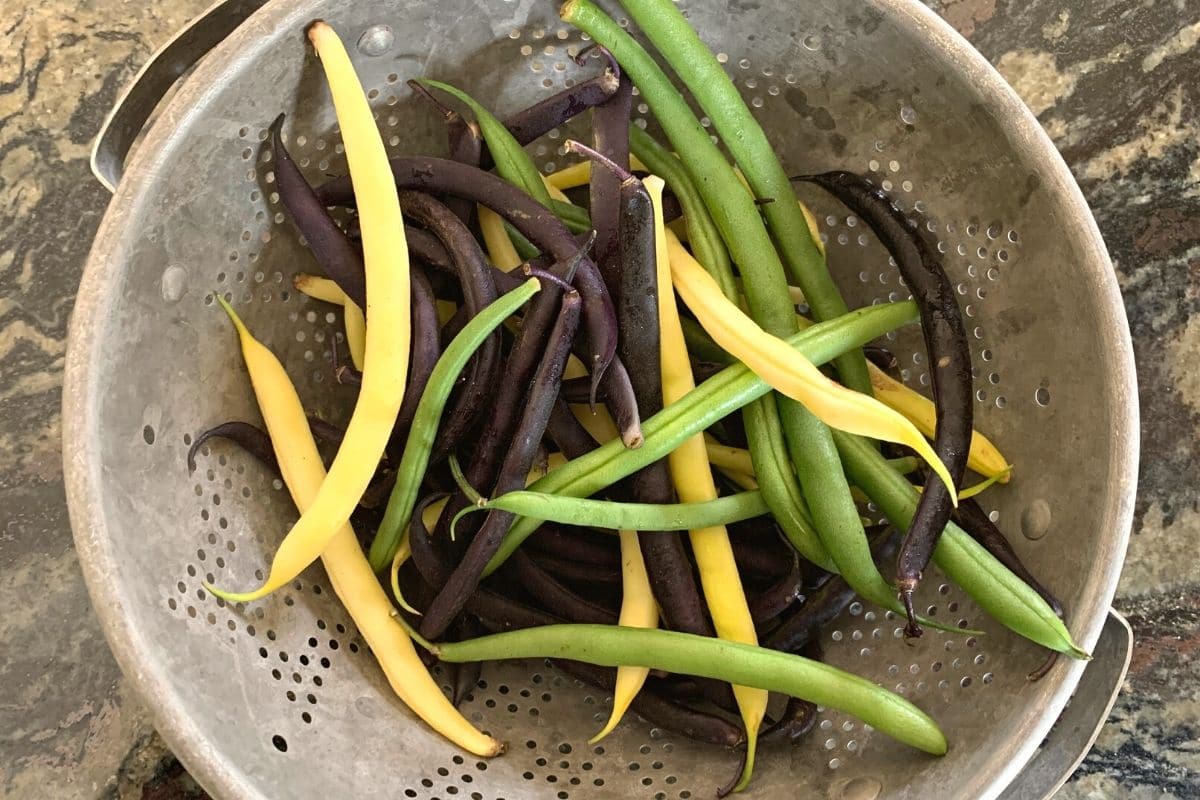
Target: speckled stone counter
{"points": [[1116, 84]]}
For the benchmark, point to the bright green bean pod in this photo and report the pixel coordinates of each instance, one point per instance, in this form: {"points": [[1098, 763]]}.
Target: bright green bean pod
{"points": [[809, 442], [704, 657], [574, 217], [703, 235], [681, 47], [763, 429], [990, 584], [726, 392], [627, 516], [424, 428], [774, 474]]}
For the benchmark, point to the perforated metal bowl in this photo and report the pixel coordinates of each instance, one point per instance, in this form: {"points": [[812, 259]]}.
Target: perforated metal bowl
{"points": [[280, 698]]}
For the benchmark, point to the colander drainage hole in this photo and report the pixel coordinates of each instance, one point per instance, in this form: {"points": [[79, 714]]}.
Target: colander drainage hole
{"points": [[280, 743]]}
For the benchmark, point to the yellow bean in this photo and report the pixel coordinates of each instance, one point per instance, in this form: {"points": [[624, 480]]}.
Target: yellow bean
{"points": [[693, 481]]}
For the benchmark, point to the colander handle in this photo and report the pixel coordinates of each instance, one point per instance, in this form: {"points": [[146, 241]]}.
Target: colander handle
{"points": [[1076, 730], [128, 116]]}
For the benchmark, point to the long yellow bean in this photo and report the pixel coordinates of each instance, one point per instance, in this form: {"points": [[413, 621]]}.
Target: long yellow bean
{"points": [[984, 457], [638, 610], [355, 323], [693, 480], [580, 174], [351, 576], [385, 365], [500, 248], [318, 288], [787, 370]]}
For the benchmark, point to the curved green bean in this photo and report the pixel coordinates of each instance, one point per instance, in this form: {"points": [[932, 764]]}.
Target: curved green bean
{"points": [[425, 423], [990, 584], [704, 657], [703, 235], [626, 516], [809, 442], [677, 41], [727, 391], [574, 217], [775, 478]]}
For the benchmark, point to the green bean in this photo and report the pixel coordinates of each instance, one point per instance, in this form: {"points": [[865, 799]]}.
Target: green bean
{"points": [[990, 584], [704, 657], [676, 39], [733, 387], [442, 380], [774, 474], [574, 217], [809, 442], [627, 516], [525, 249], [703, 235]]}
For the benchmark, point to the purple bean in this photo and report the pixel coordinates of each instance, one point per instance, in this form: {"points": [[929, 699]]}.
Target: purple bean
{"points": [[543, 391], [534, 221], [610, 138], [575, 571], [252, 439], [425, 349], [567, 432], [336, 254], [577, 545], [780, 596], [551, 593], [949, 358], [803, 626], [477, 380]]}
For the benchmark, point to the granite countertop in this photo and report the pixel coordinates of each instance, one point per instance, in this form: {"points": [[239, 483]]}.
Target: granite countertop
{"points": [[1115, 83]]}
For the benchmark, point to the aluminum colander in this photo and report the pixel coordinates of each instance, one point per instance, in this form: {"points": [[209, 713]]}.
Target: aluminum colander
{"points": [[280, 699]]}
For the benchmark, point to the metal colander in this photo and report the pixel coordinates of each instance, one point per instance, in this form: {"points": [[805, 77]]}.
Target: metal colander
{"points": [[280, 698]]}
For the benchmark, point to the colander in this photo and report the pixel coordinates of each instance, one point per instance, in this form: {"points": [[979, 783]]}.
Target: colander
{"points": [[280, 699]]}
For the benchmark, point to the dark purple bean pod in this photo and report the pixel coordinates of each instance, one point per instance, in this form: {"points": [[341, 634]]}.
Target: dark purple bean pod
{"points": [[325, 431], [477, 381], [632, 279], [454, 325], [551, 593], [974, 520], [575, 571], [606, 193], [662, 712], [883, 358], [759, 562], [580, 546], [336, 254], [552, 112], [505, 413], [425, 349], [780, 596], [543, 391], [467, 677], [532, 219], [797, 721], [567, 432], [251, 438], [949, 359], [824, 605], [465, 145]]}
